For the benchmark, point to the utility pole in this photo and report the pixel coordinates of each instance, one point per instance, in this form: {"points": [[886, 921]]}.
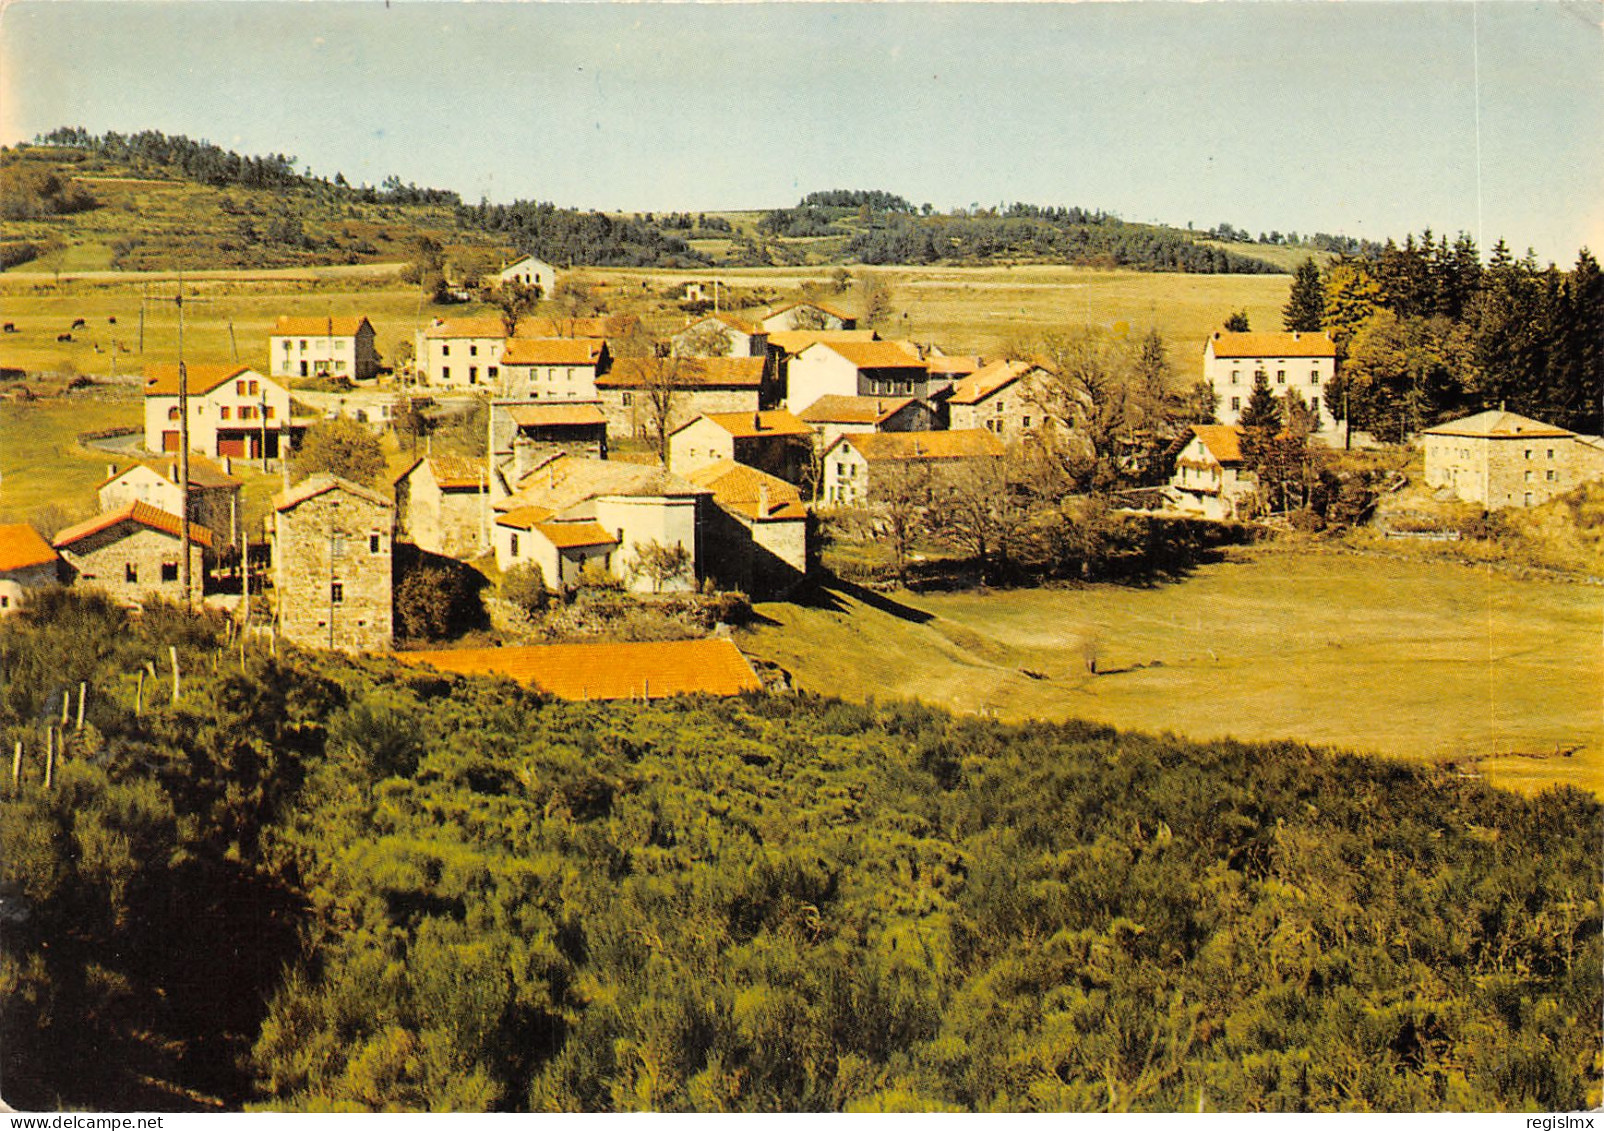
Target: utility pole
{"points": [[183, 449]]}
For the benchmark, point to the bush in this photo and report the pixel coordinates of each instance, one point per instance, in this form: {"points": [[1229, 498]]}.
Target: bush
{"points": [[438, 598], [524, 587]]}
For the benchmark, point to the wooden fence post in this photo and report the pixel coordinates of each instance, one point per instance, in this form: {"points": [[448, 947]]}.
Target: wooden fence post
{"points": [[16, 767], [139, 694], [81, 688], [50, 756], [66, 706], [172, 655]]}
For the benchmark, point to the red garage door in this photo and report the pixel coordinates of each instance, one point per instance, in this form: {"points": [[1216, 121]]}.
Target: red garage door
{"points": [[169, 441]]}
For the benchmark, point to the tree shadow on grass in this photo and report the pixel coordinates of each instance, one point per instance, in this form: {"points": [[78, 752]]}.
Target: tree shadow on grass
{"points": [[826, 592]]}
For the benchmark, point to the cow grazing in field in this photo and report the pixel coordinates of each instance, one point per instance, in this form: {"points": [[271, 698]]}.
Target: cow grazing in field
{"points": [[111, 320], [78, 324], [63, 337], [11, 327]]}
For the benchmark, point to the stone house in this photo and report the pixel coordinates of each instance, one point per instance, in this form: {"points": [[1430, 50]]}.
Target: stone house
{"points": [[858, 369], [693, 386], [774, 441], [855, 463], [807, 315], [133, 554], [531, 427], [833, 416], [1502, 459], [333, 565], [234, 411], [531, 271], [1004, 398], [442, 505], [740, 338], [214, 494], [322, 347], [756, 533], [27, 562], [1211, 478], [639, 505], [562, 549], [552, 369], [1305, 362]]}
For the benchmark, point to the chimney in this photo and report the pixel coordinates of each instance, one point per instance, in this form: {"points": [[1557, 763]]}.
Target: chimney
{"points": [[228, 465], [1297, 336], [757, 421], [763, 500], [111, 471]]}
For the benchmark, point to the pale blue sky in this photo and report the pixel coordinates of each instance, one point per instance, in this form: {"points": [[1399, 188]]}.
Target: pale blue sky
{"points": [[1353, 117]]}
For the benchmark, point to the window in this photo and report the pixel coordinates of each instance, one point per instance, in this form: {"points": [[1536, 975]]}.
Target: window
{"points": [[338, 365], [247, 412], [1528, 475], [172, 414], [490, 372], [337, 546], [1550, 453], [374, 543], [514, 550], [239, 388], [337, 593], [1528, 453], [223, 413], [629, 399], [1025, 422], [1528, 498], [268, 412], [1314, 378], [1280, 376], [303, 343], [445, 373], [1235, 373], [1314, 405], [445, 351], [169, 571], [130, 572], [473, 351], [5, 601], [1236, 404], [473, 374], [253, 388], [1551, 475]]}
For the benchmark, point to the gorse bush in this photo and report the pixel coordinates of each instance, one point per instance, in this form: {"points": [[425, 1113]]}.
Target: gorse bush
{"points": [[440, 893]]}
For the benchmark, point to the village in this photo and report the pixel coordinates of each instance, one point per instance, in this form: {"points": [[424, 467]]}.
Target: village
{"points": [[697, 464]]}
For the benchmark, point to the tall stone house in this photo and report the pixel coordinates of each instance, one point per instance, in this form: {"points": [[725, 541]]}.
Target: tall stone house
{"points": [[234, 411], [807, 315], [551, 369], [1502, 459], [214, 494], [833, 416], [774, 441], [333, 565], [736, 337], [442, 505], [27, 562], [1005, 398], [695, 385], [322, 347], [133, 554], [756, 536], [1304, 362]]}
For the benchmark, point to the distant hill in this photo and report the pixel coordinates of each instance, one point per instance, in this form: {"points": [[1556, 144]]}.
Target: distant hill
{"points": [[77, 201]]}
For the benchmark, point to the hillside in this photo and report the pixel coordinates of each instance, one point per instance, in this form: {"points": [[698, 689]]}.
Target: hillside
{"points": [[446, 894]]}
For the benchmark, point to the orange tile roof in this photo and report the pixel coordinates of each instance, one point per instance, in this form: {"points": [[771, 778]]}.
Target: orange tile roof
{"points": [[525, 518], [314, 485], [749, 425], [689, 373], [21, 546], [795, 341], [607, 671], [1498, 424], [1272, 344], [569, 535], [987, 381], [1223, 441], [162, 380], [552, 351], [893, 447], [877, 355], [450, 471], [141, 513], [754, 493], [481, 327], [311, 325], [953, 365], [833, 409], [557, 413]]}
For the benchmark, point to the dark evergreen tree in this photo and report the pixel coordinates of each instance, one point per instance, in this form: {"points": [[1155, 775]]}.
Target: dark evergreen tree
{"points": [[1237, 322], [1305, 308]]}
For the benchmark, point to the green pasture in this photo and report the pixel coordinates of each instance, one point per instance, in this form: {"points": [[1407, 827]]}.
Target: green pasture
{"points": [[1419, 660]]}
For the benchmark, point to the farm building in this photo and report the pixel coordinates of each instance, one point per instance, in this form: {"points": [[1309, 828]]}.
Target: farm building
{"points": [[855, 464], [213, 494], [333, 554], [133, 553], [1503, 459], [442, 505], [552, 369], [322, 347], [858, 369], [1301, 362], [27, 562], [756, 536], [775, 442], [561, 548], [530, 427], [1004, 398], [1211, 478], [607, 671], [531, 271], [636, 390], [833, 416], [720, 335], [234, 411], [807, 315]]}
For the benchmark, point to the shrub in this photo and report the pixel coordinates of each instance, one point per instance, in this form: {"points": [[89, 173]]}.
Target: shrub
{"points": [[524, 587]]}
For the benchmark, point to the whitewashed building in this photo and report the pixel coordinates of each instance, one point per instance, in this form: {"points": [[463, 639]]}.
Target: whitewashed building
{"points": [[1293, 361], [310, 346], [234, 411], [531, 271]]}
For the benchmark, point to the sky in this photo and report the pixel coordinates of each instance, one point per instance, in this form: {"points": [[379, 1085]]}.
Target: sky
{"points": [[1370, 118]]}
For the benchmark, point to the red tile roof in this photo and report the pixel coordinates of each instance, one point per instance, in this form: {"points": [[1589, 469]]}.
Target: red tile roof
{"points": [[953, 365], [749, 425], [893, 447], [877, 355], [481, 327], [987, 381], [162, 380], [312, 326], [450, 472], [141, 513], [688, 373], [545, 415], [1268, 344], [552, 351], [795, 341], [21, 546], [607, 671], [525, 518], [833, 409], [314, 485], [753, 493], [568, 535], [1223, 441]]}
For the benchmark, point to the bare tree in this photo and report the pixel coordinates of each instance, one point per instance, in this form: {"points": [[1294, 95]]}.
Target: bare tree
{"points": [[877, 298], [660, 564], [515, 300], [1096, 385], [899, 499], [982, 510], [662, 390], [706, 339]]}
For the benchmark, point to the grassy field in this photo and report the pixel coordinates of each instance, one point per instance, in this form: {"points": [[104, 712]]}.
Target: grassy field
{"points": [[1418, 660]]}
